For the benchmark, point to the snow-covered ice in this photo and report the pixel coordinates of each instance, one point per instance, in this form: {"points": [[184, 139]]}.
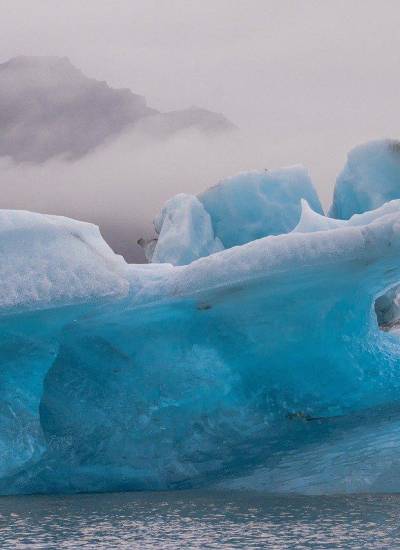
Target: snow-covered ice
{"points": [[51, 260]]}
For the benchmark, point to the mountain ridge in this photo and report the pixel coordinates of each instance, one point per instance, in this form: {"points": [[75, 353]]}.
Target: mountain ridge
{"points": [[50, 108]]}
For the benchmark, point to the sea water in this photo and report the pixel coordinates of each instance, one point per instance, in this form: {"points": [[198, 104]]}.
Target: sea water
{"points": [[199, 519]]}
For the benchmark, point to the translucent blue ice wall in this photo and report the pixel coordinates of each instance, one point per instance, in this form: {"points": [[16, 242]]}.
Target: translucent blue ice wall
{"points": [[256, 204]]}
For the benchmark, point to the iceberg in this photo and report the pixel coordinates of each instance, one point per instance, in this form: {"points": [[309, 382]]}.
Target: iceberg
{"points": [[370, 178], [237, 210], [50, 260], [185, 232], [256, 204], [45, 262], [260, 366]]}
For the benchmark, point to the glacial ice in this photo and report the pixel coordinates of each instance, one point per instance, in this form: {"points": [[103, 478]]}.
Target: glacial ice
{"points": [[370, 178], [255, 204], [49, 260], [185, 232], [261, 366], [237, 210]]}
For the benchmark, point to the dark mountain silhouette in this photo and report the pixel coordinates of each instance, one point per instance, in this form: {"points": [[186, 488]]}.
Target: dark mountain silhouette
{"points": [[50, 108]]}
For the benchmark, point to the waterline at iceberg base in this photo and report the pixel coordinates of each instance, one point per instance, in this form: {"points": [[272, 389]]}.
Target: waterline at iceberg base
{"points": [[259, 366]]}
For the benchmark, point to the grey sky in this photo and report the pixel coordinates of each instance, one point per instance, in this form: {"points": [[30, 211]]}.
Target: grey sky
{"points": [[255, 60], [305, 80]]}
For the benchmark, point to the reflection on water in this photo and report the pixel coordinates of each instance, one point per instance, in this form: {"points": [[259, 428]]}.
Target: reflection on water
{"points": [[190, 519]]}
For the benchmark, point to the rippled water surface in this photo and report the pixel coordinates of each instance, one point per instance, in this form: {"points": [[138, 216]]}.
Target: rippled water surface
{"points": [[190, 519]]}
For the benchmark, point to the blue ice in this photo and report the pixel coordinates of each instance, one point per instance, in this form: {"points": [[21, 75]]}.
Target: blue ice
{"points": [[261, 366], [370, 178], [237, 210]]}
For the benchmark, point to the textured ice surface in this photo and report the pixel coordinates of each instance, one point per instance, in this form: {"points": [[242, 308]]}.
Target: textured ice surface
{"points": [[185, 232], [45, 261], [255, 204], [237, 210], [51, 260], [261, 365], [370, 178], [387, 306]]}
